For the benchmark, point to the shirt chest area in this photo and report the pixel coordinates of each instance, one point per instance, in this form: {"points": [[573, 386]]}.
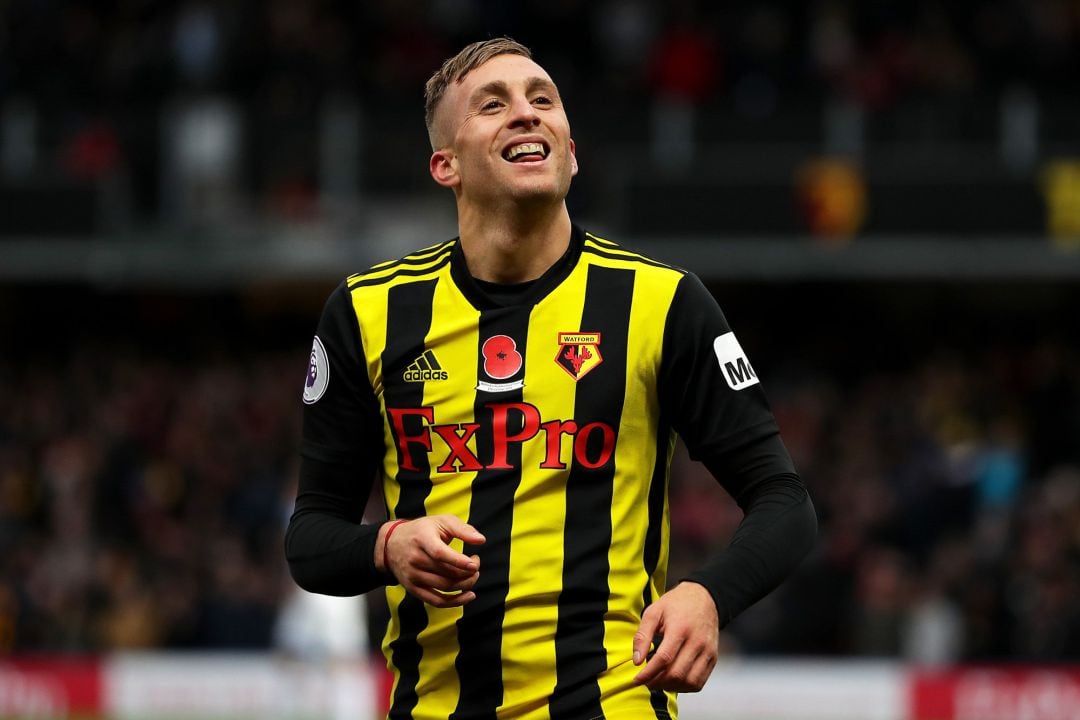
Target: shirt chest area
{"points": [[501, 391], [536, 354]]}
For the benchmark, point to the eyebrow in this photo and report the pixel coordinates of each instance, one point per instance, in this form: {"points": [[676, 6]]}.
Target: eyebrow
{"points": [[500, 87]]}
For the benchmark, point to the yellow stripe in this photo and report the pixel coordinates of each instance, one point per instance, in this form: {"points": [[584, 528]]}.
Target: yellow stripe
{"points": [[453, 338], [430, 257], [609, 247], [653, 294], [635, 456], [604, 241], [423, 252], [371, 307], [431, 250]]}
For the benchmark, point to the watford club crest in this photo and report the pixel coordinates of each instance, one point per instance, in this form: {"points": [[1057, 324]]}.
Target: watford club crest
{"points": [[578, 353]]}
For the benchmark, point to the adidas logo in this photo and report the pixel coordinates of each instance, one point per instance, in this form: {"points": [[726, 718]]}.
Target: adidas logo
{"points": [[425, 367]]}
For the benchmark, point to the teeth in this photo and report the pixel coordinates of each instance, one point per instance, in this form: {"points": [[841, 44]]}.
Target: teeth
{"points": [[524, 148]]}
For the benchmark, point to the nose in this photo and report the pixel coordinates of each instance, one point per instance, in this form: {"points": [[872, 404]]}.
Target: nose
{"points": [[523, 114]]}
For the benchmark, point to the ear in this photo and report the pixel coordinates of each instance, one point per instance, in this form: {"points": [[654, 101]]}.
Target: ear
{"points": [[573, 158], [443, 168]]}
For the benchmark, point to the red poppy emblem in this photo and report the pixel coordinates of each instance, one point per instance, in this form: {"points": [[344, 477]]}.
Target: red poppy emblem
{"points": [[501, 358]]}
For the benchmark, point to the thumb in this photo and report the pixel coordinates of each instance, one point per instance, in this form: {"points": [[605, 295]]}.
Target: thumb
{"points": [[650, 623], [460, 529]]}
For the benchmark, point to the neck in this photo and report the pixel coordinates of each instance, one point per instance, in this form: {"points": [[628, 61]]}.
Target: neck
{"points": [[513, 247]]}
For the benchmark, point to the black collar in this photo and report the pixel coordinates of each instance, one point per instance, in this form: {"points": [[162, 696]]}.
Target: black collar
{"points": [[488, 296]]}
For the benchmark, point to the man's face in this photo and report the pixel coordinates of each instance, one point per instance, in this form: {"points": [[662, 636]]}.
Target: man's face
{"points": [[504, 135]]}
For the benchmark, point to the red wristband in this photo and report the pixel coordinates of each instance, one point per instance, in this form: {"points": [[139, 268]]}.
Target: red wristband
{"points": [[386, 543]]}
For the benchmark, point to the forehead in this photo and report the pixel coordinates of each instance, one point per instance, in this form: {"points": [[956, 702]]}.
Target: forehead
{"points": [[509, 69]]}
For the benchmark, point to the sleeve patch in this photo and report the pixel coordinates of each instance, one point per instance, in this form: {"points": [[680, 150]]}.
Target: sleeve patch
{"points": [[318, 374], [734, 365]]}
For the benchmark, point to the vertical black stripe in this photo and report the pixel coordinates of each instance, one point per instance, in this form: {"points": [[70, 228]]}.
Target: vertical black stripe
{"points": [[491, 511], [657, 493], [408, 320], [653, 536], [579, 635]]}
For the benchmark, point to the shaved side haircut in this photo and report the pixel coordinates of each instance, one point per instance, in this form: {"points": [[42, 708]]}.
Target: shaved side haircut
{"points": [[456, 68]]}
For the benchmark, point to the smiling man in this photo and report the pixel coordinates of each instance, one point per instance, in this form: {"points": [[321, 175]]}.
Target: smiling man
{"points": [[517, 391]]}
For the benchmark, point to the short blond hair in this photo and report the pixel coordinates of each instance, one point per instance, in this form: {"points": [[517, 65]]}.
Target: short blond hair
{"points": [[456, 68]]}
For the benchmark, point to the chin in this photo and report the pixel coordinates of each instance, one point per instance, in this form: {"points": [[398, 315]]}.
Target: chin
{"points": [[537, 198], [541, 190]]}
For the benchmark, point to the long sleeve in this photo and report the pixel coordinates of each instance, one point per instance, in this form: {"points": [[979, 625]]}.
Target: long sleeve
{"points": [[716, 403], [777, 531], [328, 548]]}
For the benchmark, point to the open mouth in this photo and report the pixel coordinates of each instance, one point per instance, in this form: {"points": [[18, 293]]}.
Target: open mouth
{"points": [[526, 152]]}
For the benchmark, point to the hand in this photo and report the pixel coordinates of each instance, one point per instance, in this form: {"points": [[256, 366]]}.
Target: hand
{"points": [[420, 557], [686, 617]]}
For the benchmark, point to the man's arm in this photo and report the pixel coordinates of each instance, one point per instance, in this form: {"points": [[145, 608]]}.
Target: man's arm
{"points": [[328, 549], [777, 531], [712, 394], [330, 552]]}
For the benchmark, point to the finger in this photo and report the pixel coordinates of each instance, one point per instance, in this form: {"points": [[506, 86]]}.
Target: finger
{"points": [[450, 559], [660, 662], [441, 583], [457, 572], [680, 668], [692, 681], [650, 622], [445, 566], [700, 672], [467, 583], [441, 600], [458, 528]]}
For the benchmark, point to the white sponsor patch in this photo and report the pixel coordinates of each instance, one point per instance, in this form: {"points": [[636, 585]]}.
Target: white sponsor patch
{"points": [[734, 365], [318, 374]]}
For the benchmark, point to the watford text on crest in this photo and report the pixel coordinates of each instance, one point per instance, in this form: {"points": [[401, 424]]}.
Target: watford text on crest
{"points": [[578, 353]]}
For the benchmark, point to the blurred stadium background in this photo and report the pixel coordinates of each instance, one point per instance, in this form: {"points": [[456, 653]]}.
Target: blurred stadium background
{"points": [[884, 197]]}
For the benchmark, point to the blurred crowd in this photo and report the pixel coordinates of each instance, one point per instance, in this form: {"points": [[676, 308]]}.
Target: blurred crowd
{"points": [[949, 497], [142, 500], [143, 497], [115, 55], [90, 89]]}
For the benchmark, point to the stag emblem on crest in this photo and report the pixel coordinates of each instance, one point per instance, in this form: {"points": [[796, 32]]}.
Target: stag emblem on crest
{"points": [[578, 353]]}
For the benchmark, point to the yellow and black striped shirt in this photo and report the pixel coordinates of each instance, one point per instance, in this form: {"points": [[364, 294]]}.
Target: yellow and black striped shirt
{"points": [[548, 423]]}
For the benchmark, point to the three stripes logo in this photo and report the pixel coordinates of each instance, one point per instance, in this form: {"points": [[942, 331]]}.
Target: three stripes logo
{"points": [[424, 368]]}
